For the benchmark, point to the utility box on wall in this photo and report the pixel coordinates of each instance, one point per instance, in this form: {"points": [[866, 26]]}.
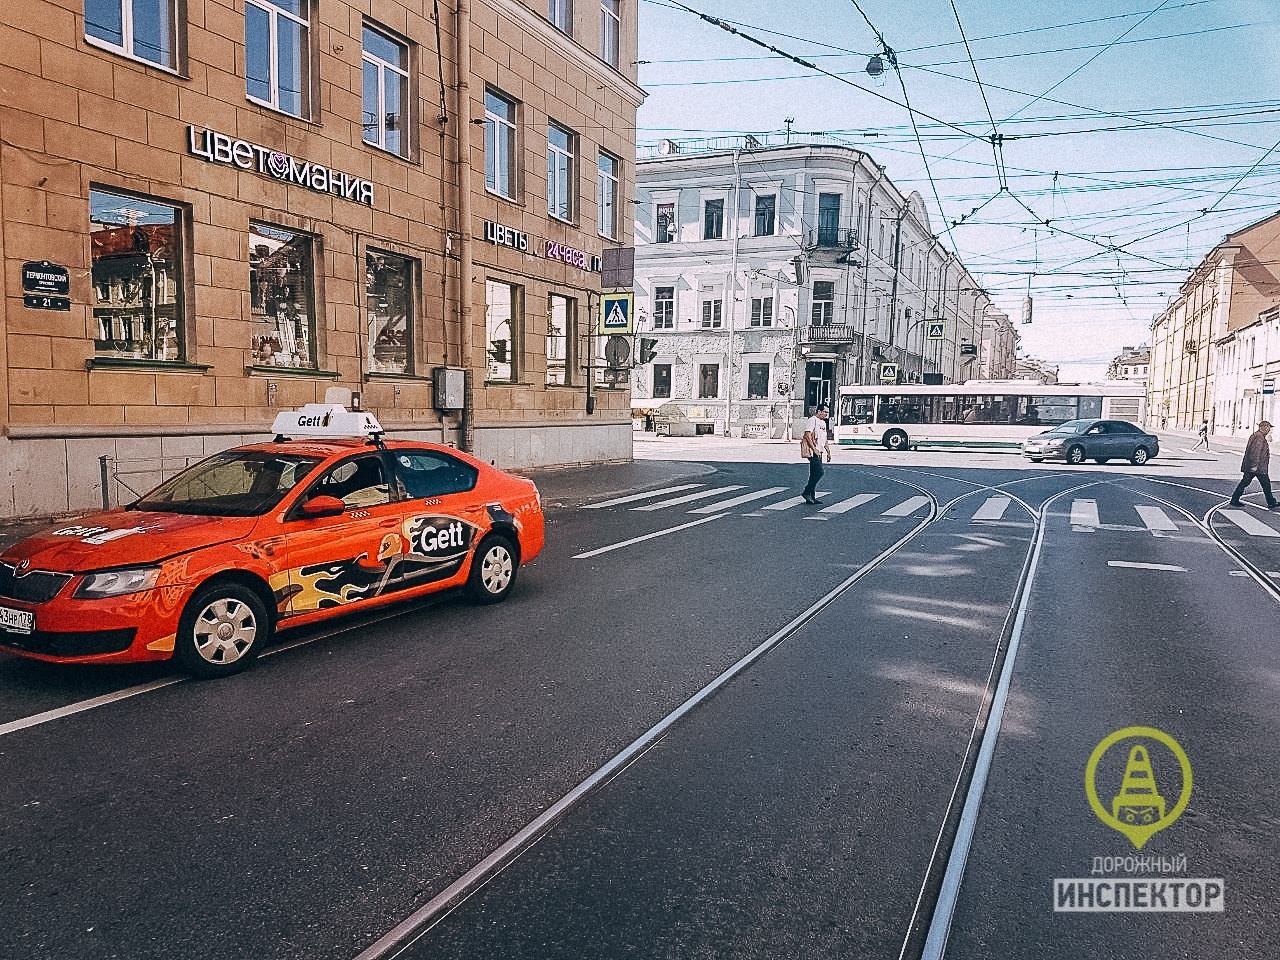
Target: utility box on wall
{"points": [[449, 383]]}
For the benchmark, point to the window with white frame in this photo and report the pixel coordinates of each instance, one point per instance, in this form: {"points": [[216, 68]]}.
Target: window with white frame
{"points": [[713, 220], [610, 31], [662, 381], [560, 173], [765, 209], [712, 310], [824, 302], [277, 54], [757, 381], [501, 323], [762, 311], [386, 101], [708, 381], [561, 337], [499, 145], [560, 13], [143, 29], [664, 308], [666, 227], [608, 174]]}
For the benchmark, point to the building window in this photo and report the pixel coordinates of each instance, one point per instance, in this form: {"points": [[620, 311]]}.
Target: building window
{"points": [[137, 277], [762, 311], [389, 299], [560, 13], [282, 302], [607, 176], [824, 302], [501, 319], [708, 381], [711, 312], [277, 55], [828, 219], [386, 93], [144, 29], [662, 381], [610, 30], [666, 232], [757, 381], [560, 173], [764, 215], [664, 308], [561, 337], [499, 145], [713, 220]]}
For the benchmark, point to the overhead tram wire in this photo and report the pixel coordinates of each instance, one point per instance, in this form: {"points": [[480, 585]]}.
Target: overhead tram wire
{"points": [[911, 114]]}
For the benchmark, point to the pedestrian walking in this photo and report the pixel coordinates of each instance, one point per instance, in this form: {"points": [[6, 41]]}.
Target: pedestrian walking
{"points": [[815, 442], [1204, 437], [1256, 463]]}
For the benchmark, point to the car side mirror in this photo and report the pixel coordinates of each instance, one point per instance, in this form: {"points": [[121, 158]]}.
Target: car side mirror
{"points": [[323, 506]]}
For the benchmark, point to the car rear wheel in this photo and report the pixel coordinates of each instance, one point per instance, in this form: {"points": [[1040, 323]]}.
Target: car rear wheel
{"points": [[493, 570], [221, 631], [1140, 456], [1075, 455], [895, 440]]}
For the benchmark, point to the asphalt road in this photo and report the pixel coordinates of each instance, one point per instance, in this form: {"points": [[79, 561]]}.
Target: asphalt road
{"points": [[728, 730]]}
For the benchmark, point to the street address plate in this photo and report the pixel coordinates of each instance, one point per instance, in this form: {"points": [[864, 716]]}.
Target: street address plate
{"points": [[17, 621]]}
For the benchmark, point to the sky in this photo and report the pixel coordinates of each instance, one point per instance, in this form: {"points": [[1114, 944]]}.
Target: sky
{"points": [[1143, 131]]}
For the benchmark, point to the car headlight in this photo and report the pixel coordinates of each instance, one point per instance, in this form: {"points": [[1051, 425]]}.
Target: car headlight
{"points": [[1053, 443], [116, 583]]}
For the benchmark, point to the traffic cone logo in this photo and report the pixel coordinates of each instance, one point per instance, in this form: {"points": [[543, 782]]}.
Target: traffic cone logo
{"points": [[1139, 810]]}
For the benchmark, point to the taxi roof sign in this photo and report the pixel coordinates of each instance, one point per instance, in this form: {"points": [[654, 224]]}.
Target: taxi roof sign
{"points": [[326, 420]]}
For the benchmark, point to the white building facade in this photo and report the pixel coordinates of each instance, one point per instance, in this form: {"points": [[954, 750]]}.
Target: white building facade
{"points": [[767, 277]]}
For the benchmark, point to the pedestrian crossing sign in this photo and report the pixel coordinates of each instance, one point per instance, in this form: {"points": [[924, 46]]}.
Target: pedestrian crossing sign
{"points": [[888, 373], [616, 313], [935, 330]]}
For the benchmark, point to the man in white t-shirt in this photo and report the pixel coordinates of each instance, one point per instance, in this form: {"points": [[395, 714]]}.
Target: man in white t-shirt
{"points": [[815, 442]]}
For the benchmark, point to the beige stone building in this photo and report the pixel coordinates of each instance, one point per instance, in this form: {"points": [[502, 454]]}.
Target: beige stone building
{"points": [[216, 209], [1211, 347]]}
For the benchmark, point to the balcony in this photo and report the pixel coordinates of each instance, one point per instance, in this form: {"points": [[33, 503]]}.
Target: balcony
{"points": [[832, 239], [827, 333]]}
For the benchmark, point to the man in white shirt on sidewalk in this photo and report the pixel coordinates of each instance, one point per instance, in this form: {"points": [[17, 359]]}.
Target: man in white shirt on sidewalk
{"points": [[815, 442]]}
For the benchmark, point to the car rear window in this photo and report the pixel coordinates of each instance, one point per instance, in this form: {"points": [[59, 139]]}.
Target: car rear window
{"points": [[244, 484]]}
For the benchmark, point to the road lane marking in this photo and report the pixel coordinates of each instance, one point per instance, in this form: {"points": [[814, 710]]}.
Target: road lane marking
{"points": [[1249, 524], [689, 498], [738, 501], [1084, 513], [13, 726], [1156, 520], [844, 506], [790, 502], [1146, 566], [640, 496], [993, 509], [647, 536], [906, 507]]}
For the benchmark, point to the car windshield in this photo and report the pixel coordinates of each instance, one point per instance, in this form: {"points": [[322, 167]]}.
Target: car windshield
{"points": [[1071, 426], [243, 484]]}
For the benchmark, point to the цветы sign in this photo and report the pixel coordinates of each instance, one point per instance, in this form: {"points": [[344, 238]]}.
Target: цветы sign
{"points": [[220, 148]]}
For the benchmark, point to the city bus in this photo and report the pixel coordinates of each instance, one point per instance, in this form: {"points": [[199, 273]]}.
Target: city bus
{"points": [[991, 414]]}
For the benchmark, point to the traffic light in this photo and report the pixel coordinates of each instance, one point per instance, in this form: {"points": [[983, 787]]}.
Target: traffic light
{"points": [[648, 349]]}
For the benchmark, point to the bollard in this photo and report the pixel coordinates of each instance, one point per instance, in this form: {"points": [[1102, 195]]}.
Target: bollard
{"points": [[103, 478]]}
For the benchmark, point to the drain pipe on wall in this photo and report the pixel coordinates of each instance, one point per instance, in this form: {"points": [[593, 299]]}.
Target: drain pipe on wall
{"points": [[465, 284]]}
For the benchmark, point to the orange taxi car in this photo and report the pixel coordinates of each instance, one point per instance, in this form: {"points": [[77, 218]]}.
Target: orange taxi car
{"points": [[206, 566]]}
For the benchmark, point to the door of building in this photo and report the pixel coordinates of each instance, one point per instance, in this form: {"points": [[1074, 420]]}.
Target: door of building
{"points": [[819, 384]]}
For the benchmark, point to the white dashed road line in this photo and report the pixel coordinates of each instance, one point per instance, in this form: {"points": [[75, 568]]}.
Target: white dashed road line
{"points": [[906, 507], [640, 496], [647, 536], [1084, 513], [689, 498], [1146, 566], [993, 509], [738, 501], [844, 506], [1248, 523], [1156, 520]]}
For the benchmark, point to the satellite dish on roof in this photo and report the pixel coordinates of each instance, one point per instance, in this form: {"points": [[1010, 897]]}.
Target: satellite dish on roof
{"points": [[668, 147]]}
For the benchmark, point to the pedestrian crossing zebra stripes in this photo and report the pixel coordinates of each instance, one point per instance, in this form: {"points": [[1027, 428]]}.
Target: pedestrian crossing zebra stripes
{"points": [[1085, 515]]}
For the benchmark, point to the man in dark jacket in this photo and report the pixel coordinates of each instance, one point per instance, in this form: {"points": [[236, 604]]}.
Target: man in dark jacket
{"points": [[1256, 463]]}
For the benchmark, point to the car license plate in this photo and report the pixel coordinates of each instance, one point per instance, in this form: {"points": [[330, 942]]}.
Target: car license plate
{"points": [[17, 621]]}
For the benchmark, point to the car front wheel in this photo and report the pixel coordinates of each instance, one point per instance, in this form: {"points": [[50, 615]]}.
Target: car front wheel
{"points": [[1075, 455], [221, 631], [1140, 456], [493, 570]]}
